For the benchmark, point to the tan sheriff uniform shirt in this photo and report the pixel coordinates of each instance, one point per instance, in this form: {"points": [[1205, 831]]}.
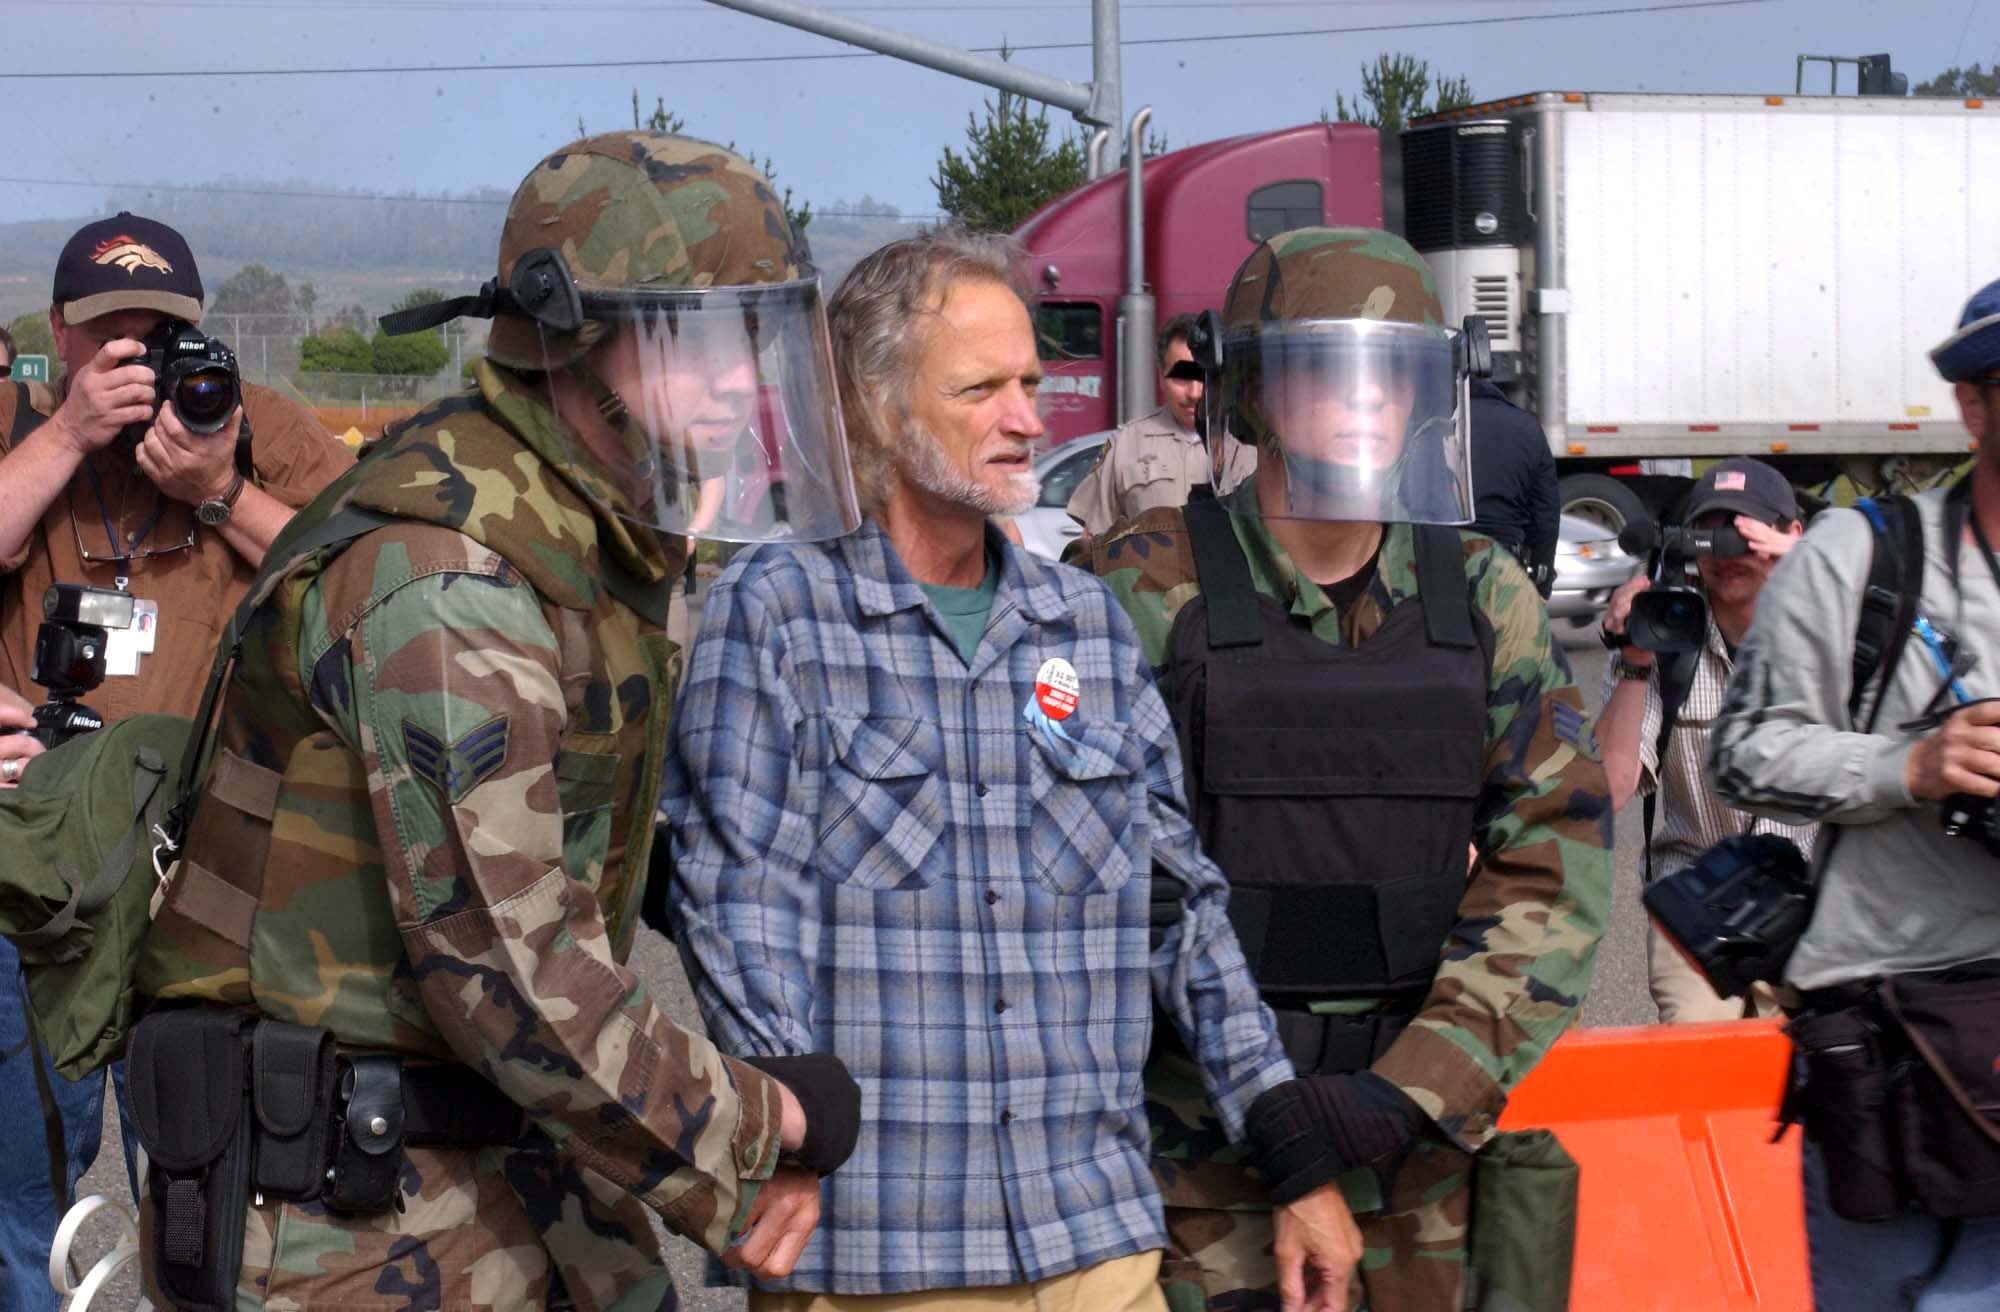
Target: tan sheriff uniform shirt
{"points": [[1149, 463]]}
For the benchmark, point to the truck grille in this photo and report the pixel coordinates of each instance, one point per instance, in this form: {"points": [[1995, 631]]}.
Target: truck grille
{"points": [[1492, 300]]}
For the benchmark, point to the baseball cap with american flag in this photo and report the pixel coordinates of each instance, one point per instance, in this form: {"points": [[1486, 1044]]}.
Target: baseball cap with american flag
{"points": [[127, 262]]}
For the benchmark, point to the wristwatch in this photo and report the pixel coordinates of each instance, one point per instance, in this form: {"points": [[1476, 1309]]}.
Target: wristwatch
{"points": [[1625, 669], [215, 511]]}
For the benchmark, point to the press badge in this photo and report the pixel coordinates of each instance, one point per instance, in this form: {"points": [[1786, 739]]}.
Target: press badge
{"points": [[124, 647]]}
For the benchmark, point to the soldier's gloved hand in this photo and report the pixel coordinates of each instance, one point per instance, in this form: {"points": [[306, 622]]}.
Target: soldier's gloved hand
{"points": [[830, 1099], [1365, 1117], [1305, 1132]]}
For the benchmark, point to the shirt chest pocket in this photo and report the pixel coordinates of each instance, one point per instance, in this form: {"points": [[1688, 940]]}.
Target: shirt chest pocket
{"points": [[882, 812], [1085, 800]]}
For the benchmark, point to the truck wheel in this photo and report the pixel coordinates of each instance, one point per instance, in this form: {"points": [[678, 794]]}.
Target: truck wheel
{"points": [[1603, 500]]}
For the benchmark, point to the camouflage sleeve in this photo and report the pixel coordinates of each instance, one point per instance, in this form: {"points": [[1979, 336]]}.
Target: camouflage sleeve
{"points": [[1515, 969], [454, 701], [1200, 978]]}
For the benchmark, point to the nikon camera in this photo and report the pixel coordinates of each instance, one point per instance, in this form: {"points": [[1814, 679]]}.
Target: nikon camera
{"points": [[69, 656], [194, 371]]}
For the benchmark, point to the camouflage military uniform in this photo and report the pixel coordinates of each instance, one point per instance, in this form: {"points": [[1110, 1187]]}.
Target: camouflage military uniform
{"points": [[1512, 975], [428, 828]]}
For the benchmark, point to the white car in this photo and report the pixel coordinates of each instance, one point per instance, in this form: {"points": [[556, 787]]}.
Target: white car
{"points": [[1589, 563]]}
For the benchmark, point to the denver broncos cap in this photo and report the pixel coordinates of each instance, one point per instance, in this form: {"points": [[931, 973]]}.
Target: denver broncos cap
{"points": [[126, 263]]}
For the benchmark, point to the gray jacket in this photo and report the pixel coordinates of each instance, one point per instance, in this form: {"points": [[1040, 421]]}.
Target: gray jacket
{"points": [[1897, 895]]}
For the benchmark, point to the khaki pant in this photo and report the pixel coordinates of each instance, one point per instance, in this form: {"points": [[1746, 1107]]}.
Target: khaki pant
{"points": [[1684, 997], [1124, 1284]]}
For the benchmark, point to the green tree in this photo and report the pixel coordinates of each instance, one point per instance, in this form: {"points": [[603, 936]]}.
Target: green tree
{"points": [[1009, 169], [31, 334], [414, 355], [307, 296], [1954, 82], [660, 120], [336, 351], [1396, 89]]}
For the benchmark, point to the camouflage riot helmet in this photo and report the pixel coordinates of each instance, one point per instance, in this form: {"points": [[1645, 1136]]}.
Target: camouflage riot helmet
{"points": [[1335, 361], [662, 276]]}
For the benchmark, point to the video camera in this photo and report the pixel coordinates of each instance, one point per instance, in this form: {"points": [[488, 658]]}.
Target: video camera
{"points": [[69, 656], [1672, 618], [1738, 911], [194, 371]]}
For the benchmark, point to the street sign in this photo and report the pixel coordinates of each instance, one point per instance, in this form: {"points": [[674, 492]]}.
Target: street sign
{"points": [[31, 369]]}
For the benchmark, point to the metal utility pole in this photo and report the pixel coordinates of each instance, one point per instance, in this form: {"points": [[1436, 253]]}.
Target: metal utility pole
{"points": [[1136, 316], [1096, 104]]}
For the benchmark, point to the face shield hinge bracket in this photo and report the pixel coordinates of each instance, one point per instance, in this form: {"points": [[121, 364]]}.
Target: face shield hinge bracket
{"points": [[541, 288]]}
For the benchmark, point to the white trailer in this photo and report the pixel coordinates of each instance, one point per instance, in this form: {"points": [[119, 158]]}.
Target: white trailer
{"points": [[1672, 276]]}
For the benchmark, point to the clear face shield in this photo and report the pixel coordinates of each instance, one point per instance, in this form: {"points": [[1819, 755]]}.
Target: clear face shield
{"points": [[721, 416], [1358, 419]]}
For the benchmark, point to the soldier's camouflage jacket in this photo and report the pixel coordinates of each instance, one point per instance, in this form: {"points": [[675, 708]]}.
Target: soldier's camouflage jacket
{"points": [[427, 829], [1513, 973]]}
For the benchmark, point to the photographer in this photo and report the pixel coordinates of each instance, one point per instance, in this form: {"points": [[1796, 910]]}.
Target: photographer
{"points": [[102, 482], [1899, 969], [1645, 755]]}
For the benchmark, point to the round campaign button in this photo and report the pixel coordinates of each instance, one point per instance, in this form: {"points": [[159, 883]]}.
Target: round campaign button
{"points": [[1056, 688]]}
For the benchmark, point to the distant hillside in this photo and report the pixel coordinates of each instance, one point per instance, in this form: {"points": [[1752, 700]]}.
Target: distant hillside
{"points": [[353, 249]]}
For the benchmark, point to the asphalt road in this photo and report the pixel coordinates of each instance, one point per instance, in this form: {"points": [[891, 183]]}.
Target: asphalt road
{"points": [[1618, 997]]}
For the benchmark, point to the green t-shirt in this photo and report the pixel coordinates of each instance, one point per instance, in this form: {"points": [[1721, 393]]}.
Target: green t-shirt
{"points": [[964, 610]]}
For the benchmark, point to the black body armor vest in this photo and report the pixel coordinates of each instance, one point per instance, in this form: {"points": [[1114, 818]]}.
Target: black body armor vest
{"points": [[1336, 787]]}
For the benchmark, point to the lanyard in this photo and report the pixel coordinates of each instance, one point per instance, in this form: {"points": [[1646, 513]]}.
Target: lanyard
{"points": [[122, 551]]}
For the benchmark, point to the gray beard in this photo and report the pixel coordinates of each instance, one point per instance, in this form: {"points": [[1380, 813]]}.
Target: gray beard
{"points": [[920, 458]]}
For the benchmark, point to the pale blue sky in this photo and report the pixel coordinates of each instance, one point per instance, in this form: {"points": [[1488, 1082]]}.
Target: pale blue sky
{"points": [[835, 129]]}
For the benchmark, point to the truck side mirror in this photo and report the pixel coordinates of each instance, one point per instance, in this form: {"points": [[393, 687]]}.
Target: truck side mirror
{"points": [[1476, 347]]}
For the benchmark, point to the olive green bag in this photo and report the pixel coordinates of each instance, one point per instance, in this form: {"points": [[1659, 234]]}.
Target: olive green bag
{"points": [[76, 875], [1523, 1245]]}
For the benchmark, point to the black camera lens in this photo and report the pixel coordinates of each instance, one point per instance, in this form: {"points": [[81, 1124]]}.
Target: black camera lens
{"points": [[1668, 620], [204, 400]]}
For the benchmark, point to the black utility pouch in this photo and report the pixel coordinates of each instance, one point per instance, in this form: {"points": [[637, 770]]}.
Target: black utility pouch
{"points": [[368, 1136], [291, 1088], [1950, 1104], [1842, 1077], [188, 1073]]}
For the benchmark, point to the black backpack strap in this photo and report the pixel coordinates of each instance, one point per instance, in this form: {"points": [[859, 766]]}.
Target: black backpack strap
{"points": [[337, 529], [1223, 573], [1888, 601], [1441, 586]]}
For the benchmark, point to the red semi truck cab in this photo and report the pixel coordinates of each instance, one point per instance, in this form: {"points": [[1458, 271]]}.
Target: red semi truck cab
{"points": [[1206, 208]]}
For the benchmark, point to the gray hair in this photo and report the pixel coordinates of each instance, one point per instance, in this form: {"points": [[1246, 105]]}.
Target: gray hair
{"points": [[879, 319]]}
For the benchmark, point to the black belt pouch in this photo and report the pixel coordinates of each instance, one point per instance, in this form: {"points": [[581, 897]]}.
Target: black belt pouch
{"points": [[1950, 1105], [291, 1086], [188, 1083], [1842, 1075]]}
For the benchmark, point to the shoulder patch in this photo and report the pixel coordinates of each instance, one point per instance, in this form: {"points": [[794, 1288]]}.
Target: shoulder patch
{"points": [[455, 769], [1570, 725]]}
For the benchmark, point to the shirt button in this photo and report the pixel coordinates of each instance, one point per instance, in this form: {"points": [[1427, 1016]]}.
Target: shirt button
{"points": [[979, 790], [1006, 1118], [999, 1005], [991, 897]]}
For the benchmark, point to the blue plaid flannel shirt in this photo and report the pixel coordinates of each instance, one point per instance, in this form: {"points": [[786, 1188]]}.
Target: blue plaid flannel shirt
{"points": [[883, 853]]}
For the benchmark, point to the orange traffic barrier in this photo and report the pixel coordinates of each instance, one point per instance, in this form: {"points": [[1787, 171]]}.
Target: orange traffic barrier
{"points": [[1685, 1204]]}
